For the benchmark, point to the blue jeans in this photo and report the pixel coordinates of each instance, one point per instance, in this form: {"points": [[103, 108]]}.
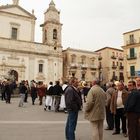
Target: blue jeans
{"points": [[71, 125]]}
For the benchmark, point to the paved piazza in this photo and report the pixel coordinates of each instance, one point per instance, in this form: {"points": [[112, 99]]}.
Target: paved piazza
{"points": [[33, 123]]}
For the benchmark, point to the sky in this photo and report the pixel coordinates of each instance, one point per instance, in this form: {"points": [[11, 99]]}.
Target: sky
{"points": [[88, 24]]}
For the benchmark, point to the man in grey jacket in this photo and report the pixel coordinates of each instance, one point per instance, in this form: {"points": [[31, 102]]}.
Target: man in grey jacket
{"points": [[95, 110]]}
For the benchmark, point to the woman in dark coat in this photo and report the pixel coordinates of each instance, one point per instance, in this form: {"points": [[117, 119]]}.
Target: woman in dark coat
{"points": [[33, 92]]}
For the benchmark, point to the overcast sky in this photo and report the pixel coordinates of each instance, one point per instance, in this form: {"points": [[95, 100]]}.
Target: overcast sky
{"points": [[88, 24]]}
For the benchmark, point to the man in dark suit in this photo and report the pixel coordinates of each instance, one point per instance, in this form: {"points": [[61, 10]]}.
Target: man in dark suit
{"points": [[132, 108]]}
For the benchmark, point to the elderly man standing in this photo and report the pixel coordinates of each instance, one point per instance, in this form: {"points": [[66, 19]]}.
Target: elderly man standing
{"points": [[73, 105], [117, 108], [109, 116], [95, 109]]}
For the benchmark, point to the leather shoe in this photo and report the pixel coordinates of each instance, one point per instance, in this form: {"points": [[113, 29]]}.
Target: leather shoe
{"points": [[124, 134], [115, 133], [108, 128]]}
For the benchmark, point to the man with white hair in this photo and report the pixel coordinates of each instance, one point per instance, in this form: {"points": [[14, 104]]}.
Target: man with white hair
{"points": [[109, 116], [117, 108]]}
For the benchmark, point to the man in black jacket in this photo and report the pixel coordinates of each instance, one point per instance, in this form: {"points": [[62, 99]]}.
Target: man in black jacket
{"points": [[132, 108], [73, 105], [57, 91]]}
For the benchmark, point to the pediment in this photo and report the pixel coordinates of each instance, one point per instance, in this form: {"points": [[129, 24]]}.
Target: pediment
{"points": [[16, 10]]}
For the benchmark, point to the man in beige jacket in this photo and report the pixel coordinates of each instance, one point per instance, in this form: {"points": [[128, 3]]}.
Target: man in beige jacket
{"points": [[95, 110]]}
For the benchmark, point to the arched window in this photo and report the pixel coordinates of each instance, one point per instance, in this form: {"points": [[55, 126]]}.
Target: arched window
{"points": [[54, 34]]}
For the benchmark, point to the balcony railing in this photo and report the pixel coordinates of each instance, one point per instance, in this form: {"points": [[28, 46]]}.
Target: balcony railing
{"points": [[100, 67], [130, 57], [114, 66], [131, 42], [100, 58], [73, 65], [84, 66], [120, 58], [93, 67], [113, 57], [121, 67]]}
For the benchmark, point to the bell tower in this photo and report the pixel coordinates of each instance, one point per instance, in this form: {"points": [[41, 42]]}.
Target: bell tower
{"points": [[15, 2], [52, 27]]}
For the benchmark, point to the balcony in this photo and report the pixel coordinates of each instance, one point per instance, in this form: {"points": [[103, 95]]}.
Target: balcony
{"points": [[120, 58], [100, 58], [73, 66], [131, 57], [114, 66], [121, 67], [93, 67], [131, 42], [113, 57], [100, 67], [84, 66]]}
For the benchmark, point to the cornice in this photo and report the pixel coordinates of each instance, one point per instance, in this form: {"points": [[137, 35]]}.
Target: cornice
{"points": [[15, 15], [51, 22], [79, 50], [16, 6], [109, 48]]}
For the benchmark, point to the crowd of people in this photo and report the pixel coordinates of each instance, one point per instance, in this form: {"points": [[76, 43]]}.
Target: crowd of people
{"points": [[115, 101]]}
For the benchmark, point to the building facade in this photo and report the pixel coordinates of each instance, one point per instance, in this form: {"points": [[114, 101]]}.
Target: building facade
{"points": [[80, 63], [21, 57], [111, 64], [132, 54]]}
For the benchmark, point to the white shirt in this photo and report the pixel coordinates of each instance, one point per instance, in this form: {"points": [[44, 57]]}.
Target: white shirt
{"points": [[119, 100]]}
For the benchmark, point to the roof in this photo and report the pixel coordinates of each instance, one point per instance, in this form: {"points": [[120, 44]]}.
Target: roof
{"points": [[131, 31], [79, 50], [109, 48], [8, 6]]}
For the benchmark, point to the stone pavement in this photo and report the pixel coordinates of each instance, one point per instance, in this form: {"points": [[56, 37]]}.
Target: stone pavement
{"points": [[33, 123]]}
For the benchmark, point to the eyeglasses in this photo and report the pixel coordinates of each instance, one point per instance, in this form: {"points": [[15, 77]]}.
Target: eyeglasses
{"points": [[130, 85]]}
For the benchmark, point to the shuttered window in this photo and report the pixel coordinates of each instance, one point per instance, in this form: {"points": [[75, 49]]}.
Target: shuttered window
{"points": [[132, 70], [132, 52], [14, 33]]}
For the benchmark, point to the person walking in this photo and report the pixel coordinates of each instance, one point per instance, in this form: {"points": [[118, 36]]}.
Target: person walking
{"points": [[22, 90], [49, 94], [8, 91], [73, 105], [57, 92], [41, 91], [95, 109], [132, 109], [33, 91]]}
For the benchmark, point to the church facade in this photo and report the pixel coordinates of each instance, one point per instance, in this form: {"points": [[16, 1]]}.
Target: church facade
{"points": [[21, 57]]}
